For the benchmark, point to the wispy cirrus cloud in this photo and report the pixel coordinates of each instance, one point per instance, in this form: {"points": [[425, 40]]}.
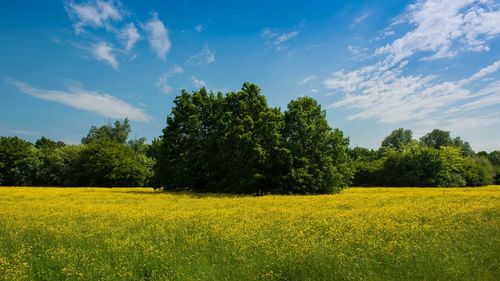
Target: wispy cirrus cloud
{"points": [[198, 83], [76, 97], [360, 19], [158, 36], [307, 79], [163, 84], [204, 57], [104, 52], [129, 36], [94, 14], [277, 40], [384, 91]]}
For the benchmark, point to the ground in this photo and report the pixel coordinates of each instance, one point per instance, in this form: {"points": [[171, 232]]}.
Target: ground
{"points": [[358, 234]]}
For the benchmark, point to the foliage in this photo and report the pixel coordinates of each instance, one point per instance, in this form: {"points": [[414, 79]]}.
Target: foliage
{"points": [[18, 161], [238, 144], [423, 166], [320, 161], [478, 171], [439, 138], [107, 163], [46, 143], [105, 159], [398, 139], [118, 133]]}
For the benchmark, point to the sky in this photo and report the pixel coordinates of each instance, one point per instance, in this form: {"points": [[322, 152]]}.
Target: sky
{"points": [[374, 66]]}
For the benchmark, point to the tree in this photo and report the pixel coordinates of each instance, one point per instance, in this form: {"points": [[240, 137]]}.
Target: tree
{"points": [[320, 161], [46, 143], [179, 161], [439, 138], [478, 171], [18, 161], [108, 163], [118, 133], [139, 145], [423, 166], [60, 166], [221, 143], [397, 139]]}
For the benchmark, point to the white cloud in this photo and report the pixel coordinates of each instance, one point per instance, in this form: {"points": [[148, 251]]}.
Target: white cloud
{"points": [[104, 52], [176, 69], [204, 57], [162, 83], [94, 14], [384, 91], [445, 28], [388, 96], [99, 103], [360, 19], [307, 79], [158, 36], [129, 36], [358, 53], [277, 40], [198, 83], [199, 27]]}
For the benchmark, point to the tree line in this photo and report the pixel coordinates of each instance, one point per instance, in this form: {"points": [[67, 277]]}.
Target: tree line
{"points": [[237, 143]]}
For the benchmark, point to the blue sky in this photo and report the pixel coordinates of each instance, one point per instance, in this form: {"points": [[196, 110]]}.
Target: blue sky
{"points": [[373, 65]]}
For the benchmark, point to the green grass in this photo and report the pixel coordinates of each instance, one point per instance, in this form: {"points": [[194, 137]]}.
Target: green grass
{"points": [[359, 234]]}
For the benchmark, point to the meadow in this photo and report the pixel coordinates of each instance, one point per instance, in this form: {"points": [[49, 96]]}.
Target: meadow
{"points": [[358, 234]]}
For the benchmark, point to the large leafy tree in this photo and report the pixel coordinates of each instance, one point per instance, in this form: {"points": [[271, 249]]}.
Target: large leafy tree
{"points": [[179, 156], [245, 145], [216, 143], [320, 161]]}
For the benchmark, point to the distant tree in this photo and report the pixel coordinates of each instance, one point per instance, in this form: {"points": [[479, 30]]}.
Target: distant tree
{"points": [[363, 154], [108, 163], [118, 133], [46, 143], [478, 171], [59, 166], [139, 145], [494, 157], [436, 139], [397, 139], [368, 166], [320, 160], [423, 166], [439, 138], [18, 161]]}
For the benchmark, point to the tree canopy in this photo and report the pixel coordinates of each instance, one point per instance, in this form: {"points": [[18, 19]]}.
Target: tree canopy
{"points": [[236, 143]]}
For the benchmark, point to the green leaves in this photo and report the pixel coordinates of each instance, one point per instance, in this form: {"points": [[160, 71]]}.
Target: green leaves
{"points": [[238, 144]]}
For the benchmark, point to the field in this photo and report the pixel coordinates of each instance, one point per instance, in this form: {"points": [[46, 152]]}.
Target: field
{"points": [[359, 234]]}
